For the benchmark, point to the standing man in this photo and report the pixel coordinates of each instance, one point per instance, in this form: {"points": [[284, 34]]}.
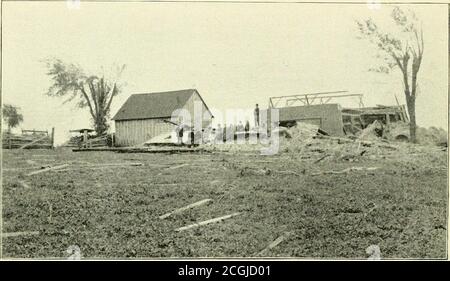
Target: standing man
{"points": [[257, 116], [219, 134], [240, 127], [247, 126]]}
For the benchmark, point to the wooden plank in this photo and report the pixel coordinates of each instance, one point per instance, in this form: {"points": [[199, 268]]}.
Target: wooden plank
{"points": [[22, 233], [346, 170], [178, 166], [24, 184], [114, 164], [48, 169], [190, 206], [207, 222], [274, 243], [53, 137]]}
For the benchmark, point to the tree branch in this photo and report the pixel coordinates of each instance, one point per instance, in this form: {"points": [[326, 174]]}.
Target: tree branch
{"points": [[87, 101]]}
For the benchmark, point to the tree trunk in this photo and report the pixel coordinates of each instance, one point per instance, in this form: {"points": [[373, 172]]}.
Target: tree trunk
{"points": [[411, 104]]}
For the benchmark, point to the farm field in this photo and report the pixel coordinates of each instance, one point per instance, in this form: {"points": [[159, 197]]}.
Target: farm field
{"points": [[112, 211]]}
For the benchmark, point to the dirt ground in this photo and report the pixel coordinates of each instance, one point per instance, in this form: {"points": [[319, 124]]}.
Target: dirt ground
{"points": [[112, 211]]}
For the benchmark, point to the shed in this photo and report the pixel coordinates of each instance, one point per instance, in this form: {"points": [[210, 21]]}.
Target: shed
{"points": [[144, 116]]}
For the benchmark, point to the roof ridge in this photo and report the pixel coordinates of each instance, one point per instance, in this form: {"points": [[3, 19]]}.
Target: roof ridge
{"points": [[174, 91], [154, 105]]}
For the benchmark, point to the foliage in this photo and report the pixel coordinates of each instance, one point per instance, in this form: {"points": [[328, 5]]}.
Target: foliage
{"points": [[397, 50], [12, 116], [91, 91]]}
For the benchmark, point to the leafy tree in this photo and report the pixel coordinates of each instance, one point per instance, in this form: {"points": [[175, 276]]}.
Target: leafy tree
{"points": [[11, 116], [91, 91], [402, 50]]}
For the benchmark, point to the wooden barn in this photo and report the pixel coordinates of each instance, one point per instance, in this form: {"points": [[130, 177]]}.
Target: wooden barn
{"points": [[144, 116]]}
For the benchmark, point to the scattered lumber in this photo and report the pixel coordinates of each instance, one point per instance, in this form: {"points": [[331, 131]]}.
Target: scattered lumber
{"points": [[142, 150], [274, 243], [24, 184], [22, 233], [190, 206], [48, 169], [162, 150], [114, 164], [100, 166], [264, 172], [321, 158], [178, 166], [207, 222], [346, 170]]}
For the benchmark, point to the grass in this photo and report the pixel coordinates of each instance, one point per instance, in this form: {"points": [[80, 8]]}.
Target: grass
{"points": [[112, 212]]}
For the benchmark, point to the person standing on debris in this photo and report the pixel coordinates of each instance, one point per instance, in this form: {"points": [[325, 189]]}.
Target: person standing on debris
{"points": [[240, 127], [179, 132], [219, 133], [204, 134], [247, 126], [230, 133], [212, 137], [256, 116]]}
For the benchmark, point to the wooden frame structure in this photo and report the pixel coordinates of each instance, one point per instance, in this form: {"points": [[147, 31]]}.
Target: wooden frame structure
{"points": [[310, 99]]}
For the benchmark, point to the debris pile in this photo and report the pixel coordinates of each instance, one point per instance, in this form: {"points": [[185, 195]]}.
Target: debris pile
{"points": [[307, 142], [317, 147], [432, 136], [371, 132]]}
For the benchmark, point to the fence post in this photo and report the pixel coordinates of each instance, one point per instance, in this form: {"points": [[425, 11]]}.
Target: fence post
{"points": [[85, 138], [53, 137]]}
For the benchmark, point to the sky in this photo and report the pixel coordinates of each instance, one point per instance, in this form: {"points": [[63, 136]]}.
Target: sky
{"points": [[234, 54]]}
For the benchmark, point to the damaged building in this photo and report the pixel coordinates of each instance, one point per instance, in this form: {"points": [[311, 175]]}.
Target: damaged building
{"points": [[321, 109]]}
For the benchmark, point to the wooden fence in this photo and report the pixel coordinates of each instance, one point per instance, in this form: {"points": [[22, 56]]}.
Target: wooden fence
{"points": [[29, 139], [101, 141]]}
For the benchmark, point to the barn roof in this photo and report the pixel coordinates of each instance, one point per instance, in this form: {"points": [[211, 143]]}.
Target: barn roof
{"points": [[154, 105]]}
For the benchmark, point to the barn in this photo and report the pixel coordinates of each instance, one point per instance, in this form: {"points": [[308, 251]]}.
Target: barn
{"points": [[144, 116]]}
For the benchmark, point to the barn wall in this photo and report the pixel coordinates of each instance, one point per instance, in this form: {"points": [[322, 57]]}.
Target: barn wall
{"points": [[133, 132], [190, 107], [327, 116]]}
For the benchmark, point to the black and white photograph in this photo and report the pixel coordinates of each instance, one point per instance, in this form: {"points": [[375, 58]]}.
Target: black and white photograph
{"points": [[249, 130]]}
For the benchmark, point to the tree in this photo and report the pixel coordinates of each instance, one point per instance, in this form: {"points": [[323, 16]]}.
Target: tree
{"points": [[404, 51], [91, 91], [12, 116]]}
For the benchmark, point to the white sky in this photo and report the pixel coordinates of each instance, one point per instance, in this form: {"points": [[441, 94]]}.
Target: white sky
{"points": [[234, 54]]}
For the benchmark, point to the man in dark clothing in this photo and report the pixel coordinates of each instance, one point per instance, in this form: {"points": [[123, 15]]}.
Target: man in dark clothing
{"points": [[247, 126], [257, 116]]}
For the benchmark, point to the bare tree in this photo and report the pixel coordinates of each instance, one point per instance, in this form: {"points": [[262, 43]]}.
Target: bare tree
{"points": [[12, 116], [403, 50], [91, 91]]}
